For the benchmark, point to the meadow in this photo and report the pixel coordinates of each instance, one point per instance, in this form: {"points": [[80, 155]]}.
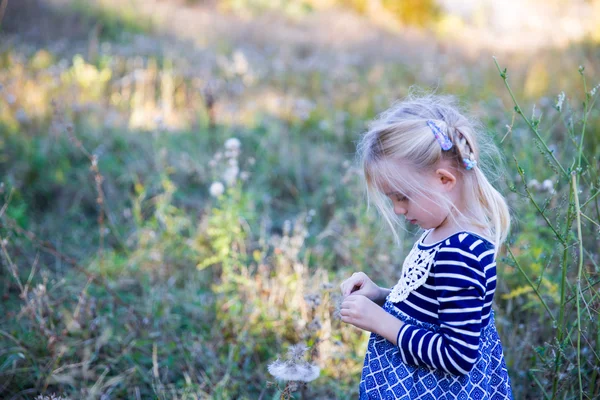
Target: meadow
{"points": [[175, 215]]}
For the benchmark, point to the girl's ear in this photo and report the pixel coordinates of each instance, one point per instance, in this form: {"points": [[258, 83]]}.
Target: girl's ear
{"points": [[446, 178]]}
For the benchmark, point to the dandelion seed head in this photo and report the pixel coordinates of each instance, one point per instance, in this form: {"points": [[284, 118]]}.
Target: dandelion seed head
{"points": [[231, 174], [560, 100], [216, 189], [290, 371], [296, 352], [233, 144], [534, 184]]}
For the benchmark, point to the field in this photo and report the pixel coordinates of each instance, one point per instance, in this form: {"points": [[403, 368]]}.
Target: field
{"points": [[179, 197]]}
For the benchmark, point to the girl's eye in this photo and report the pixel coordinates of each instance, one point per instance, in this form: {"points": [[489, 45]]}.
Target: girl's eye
{"points": [[400, 198]]}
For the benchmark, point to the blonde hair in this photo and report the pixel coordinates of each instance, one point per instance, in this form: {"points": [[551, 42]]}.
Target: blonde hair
{"points": [[400, 139]]}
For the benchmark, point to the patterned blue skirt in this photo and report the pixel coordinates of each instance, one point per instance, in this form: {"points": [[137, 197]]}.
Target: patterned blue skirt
{"points": [[386, 376]]}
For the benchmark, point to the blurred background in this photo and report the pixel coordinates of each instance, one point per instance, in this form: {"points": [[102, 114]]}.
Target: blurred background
{"points": [[179, 200]]}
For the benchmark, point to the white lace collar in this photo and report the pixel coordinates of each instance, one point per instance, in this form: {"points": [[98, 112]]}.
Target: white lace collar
{"points": [[415, 269]]}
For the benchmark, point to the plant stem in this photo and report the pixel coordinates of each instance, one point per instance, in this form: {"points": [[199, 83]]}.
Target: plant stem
{"points": [[531, 283], [580, 269], [533, 129], [563, 287]]}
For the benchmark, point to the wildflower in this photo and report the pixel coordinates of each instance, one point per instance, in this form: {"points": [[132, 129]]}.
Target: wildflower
{"points": [[240, 63], [289, 371], [286, 227], [232, 144], [231, 174], [312, 300], [548, 186], [315, 324], [593, 91], [295, 368], [51, 397], [297, 351], [560, 100], [216, 189], [21, 116], [534, 184], [244, 175]]}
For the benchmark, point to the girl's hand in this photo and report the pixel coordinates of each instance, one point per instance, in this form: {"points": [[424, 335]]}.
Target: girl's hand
{"points": [[360, 311], [363, 313], [360, 283]]}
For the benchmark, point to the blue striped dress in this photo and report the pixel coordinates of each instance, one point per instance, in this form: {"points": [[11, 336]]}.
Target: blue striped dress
{"points": [[448, 347]]}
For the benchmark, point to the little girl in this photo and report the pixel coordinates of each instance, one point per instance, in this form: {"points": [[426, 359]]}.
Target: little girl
{"points": [[433, 334]]}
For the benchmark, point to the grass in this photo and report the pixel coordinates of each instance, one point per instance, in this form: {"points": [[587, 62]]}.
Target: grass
{"points": [[122, 276]]}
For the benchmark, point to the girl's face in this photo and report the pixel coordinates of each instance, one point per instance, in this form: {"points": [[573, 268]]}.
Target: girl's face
{"points": [[428, 209]]}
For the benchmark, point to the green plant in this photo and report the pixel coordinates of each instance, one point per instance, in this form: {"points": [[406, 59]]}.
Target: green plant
{"points": [[566, 363]]}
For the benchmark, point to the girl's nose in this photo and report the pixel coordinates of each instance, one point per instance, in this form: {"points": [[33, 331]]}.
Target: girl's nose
{"points": [[400, 210]]}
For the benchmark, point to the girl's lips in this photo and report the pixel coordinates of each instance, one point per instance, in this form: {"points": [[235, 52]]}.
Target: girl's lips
{"points": [[412, 221]]}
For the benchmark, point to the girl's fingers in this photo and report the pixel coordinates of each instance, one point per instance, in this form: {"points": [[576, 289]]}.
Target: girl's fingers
{"points": [[357, 280]]}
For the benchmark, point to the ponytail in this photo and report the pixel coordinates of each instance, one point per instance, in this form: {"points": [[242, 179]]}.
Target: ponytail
{"points": [[494, 207]]}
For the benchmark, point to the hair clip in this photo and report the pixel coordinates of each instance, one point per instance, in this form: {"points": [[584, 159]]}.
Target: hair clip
{"points": [[443, 139], [469, 164]]}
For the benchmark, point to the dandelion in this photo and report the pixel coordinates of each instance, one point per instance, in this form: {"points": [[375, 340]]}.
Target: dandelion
{"points": [[534, 184], [297, 351], [289, 371], [231, 174], [233, 144], [240, 63], [51, 397], [548, 186], [560, 100], [216, 189], [295, 368]]}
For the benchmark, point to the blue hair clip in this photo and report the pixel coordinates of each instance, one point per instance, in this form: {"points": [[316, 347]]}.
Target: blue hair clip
{"points": [[469, 164], [443, 139]]}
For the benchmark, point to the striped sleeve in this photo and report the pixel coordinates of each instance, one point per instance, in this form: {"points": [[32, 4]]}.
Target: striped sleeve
{"points": [[460, 285]]}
